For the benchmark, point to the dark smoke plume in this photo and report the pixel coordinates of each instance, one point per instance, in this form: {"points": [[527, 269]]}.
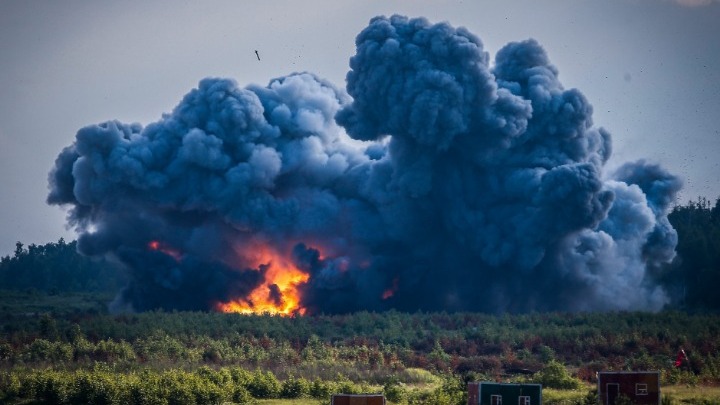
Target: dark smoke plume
{"points": [[439, 181]]}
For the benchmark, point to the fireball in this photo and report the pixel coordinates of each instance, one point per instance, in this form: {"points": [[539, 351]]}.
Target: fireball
{"points": [[278, 294]]}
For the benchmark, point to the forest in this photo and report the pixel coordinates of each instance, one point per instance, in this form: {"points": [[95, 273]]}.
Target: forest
{"points": [[690, 279], [61, 345]]}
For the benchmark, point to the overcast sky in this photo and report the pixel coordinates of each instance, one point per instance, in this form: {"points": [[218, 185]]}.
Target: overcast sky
{"points": [[650, 68]]}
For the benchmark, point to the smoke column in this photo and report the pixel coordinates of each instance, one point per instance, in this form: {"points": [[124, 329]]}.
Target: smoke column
{"points": [[439, 180]]}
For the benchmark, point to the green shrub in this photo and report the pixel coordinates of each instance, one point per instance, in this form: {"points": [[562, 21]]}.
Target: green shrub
{"points": [[146, 388], [418, 376], [264, 384], [345, 386], [208, 394], [395, 392], [178, 390], [45, 350], [6, 351], [96, 388], [666, 400], [295, 388], [554, 375], [108, 350], [51, 387], [320, 389], [591, 398], [240, 376], [10, 386], [240, 395]]}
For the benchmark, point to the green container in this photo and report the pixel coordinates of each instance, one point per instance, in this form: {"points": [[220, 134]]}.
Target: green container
{"points": [[490, 393]]}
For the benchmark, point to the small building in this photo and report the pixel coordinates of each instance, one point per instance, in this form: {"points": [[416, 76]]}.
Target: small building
{"points": [[490, 393], [642, 387], [362, 399]]}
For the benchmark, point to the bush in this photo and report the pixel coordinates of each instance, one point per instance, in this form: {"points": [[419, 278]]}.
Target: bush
{"points": [[10, 386], [295, 388], [45, 350], [554, 375], [179, 391], [146, 388], [395, 392], [240, 395], [264, 384], [418, 376], [108, 350], [591, 398], [51, 387], [320, 389], [97, 388], [240, 376], [6, 351]]}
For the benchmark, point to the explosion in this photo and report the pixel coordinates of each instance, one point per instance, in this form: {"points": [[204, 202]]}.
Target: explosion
{"points": [[278, 294], [439, 179]]}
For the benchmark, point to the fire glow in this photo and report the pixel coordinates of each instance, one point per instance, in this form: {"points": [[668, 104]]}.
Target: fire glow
{"points": [[162, 247], [278, 294], [390, 292]]}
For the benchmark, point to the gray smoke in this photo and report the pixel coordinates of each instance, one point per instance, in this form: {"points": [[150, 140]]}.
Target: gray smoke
{"points": [[439, 181]]}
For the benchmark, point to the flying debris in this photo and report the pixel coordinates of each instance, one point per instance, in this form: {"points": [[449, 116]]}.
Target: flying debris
{"points": [[439, 180]]}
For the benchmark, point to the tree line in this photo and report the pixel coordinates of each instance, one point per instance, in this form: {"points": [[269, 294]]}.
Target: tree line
{"points": [[691, 278], [57, 267]]}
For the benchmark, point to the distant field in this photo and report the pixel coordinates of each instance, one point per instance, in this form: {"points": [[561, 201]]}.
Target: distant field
{"points": [[63, 338], [679, 394], [30, 303], [304, 401], [686, 394]]}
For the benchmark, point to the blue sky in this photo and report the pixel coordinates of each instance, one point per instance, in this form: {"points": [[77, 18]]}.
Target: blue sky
{"points": [[650, 68]]}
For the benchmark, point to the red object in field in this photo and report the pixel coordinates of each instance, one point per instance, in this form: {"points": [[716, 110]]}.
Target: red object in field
{"points": [[681, 356]]}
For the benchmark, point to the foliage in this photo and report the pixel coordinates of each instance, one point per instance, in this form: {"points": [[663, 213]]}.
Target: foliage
{"points": [[554, 375], [264, 384], [79, 353], [694, 274], [360, 346], [295, 388], [56, 267], [62, 348], [552, 396], [395, 392]]}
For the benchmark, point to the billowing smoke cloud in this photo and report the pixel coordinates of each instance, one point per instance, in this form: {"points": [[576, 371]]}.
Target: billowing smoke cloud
{"points": [[438, 181]]}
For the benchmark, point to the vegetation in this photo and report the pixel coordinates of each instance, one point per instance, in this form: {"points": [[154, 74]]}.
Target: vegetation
{"points": [[694, 275], [65, 346], [57, 267], [691, 279], [59, 344]]}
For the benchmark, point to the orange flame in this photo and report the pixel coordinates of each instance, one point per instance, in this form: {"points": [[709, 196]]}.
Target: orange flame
{"points": [[392, 290], [282, 276]]}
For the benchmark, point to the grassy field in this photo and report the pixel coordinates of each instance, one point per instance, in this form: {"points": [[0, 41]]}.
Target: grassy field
{"points": [[67, 332], [29, 303], [686, 394], [678, 394]]}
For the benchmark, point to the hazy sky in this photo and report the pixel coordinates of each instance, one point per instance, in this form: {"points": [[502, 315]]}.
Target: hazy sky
{"points": [[650, 68]]}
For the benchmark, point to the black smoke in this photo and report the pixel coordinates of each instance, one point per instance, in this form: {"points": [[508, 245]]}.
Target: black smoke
{"points": [[441, 180]]}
